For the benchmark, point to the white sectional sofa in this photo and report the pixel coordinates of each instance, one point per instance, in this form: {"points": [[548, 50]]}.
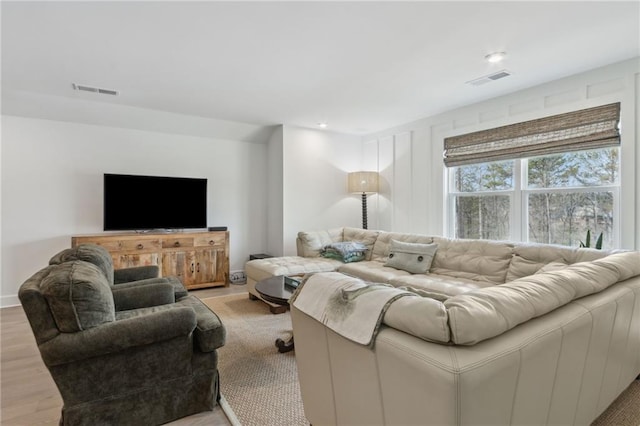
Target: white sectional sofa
{"points": [[508, 333]]}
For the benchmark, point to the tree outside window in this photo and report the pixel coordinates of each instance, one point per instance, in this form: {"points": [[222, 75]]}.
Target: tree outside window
{"points": [[562, 195]]}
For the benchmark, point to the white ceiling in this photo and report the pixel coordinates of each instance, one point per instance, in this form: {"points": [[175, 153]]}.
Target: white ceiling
{"points": [[360, 66]]}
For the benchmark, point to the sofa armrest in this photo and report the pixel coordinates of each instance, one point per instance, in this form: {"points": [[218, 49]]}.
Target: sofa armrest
{"points": [[142, 296], [118, 336], [136, 273]]}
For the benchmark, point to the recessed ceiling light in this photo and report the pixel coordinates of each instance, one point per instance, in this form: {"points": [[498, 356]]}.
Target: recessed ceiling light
{"points": [[323, 125], [495, 57]]}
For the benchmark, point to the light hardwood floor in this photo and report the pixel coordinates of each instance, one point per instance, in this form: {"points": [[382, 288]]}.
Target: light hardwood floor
{"points": [[28, 394]]}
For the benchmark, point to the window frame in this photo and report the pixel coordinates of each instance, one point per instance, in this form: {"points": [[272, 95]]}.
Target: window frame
{"points": [[519, 196]]}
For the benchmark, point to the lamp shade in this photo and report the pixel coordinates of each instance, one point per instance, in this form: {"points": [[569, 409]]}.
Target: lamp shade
{"points": [[363, 182]]}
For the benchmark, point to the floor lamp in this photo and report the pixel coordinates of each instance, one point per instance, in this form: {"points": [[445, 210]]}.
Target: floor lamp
{"points": [[363, 183]]}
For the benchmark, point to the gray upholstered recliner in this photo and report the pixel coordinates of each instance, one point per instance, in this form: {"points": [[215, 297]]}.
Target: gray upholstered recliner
{"points": [[144, 365], [118, 278]]}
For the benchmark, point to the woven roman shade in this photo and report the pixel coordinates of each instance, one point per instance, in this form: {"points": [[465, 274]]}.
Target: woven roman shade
{"points": [[573, 131]]}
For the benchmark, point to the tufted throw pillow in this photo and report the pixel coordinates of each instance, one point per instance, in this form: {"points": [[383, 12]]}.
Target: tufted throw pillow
{"points": [[78, 295], [411, 257]]}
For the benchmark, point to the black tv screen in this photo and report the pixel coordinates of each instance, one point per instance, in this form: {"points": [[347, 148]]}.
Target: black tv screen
{"points": [[133, 202]]}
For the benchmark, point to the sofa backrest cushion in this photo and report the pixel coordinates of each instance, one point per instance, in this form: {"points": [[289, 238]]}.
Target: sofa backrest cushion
{"points": [[383, 242], [91, 253], [78, 295], [478, 260], [528, 258], [488, 312], [312, 241], [423, 317]]}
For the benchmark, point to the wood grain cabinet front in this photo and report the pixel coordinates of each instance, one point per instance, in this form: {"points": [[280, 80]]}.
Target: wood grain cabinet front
{"points": [[199, 259]]}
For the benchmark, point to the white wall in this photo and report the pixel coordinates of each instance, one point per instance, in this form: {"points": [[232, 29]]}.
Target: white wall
{"points": [[275, 225], [52, 186], [409, 157], [315, 167]]}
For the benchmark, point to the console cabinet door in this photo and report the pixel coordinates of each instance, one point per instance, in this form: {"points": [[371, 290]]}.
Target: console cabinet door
{"points": [[178, 264], [205, 266], [195, 268]]}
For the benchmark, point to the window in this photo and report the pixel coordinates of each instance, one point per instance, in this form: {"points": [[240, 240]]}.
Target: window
{"points": [[482, 198], [548, 180], [549, 199]]}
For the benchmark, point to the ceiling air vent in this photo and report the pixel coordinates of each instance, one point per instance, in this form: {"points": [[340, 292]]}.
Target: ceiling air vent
{"points": [[489, 78], [85, 88]]}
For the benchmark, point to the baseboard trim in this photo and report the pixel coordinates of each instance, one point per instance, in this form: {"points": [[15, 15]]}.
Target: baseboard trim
{"points": [[228, 411], [9, 301]]}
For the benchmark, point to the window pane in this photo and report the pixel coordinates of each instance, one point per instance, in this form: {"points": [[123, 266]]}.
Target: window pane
{"points": [[565, 218], [484, 177], [584, 168], [485, 217]]}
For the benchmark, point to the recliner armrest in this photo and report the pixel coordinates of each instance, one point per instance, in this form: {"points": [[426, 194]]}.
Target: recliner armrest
{"points": [[210, 334], [119, 335], [135, 273], [178, 288], [142, 296]]}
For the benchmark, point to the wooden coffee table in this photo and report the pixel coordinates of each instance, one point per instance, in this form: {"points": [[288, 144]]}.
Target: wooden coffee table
{"points": [[273, 290]]}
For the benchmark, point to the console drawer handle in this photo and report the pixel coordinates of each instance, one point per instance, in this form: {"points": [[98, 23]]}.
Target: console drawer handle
{"points": [[176, 244], [211, 242], [139, 246]]}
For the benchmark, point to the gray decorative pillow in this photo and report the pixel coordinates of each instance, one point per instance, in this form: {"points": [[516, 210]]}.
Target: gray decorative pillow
{"points": [[411, 257], [78, 295]]}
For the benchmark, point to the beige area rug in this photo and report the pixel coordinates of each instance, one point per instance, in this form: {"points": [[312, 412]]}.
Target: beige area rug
{"points": [[259, 383], [624, 411]]}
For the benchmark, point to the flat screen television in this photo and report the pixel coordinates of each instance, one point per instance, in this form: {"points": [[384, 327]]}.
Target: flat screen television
{"points": [[135, 202]]}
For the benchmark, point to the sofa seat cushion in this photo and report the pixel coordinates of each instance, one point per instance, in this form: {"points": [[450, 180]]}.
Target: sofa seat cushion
{"points": [[260, 269], [439, 284], [477, 260], [78, 296], [209, 333], [372, 271], [382, 246]]}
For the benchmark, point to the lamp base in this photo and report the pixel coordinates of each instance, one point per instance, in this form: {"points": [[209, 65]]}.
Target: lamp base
{"points": [[364, 211]]}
